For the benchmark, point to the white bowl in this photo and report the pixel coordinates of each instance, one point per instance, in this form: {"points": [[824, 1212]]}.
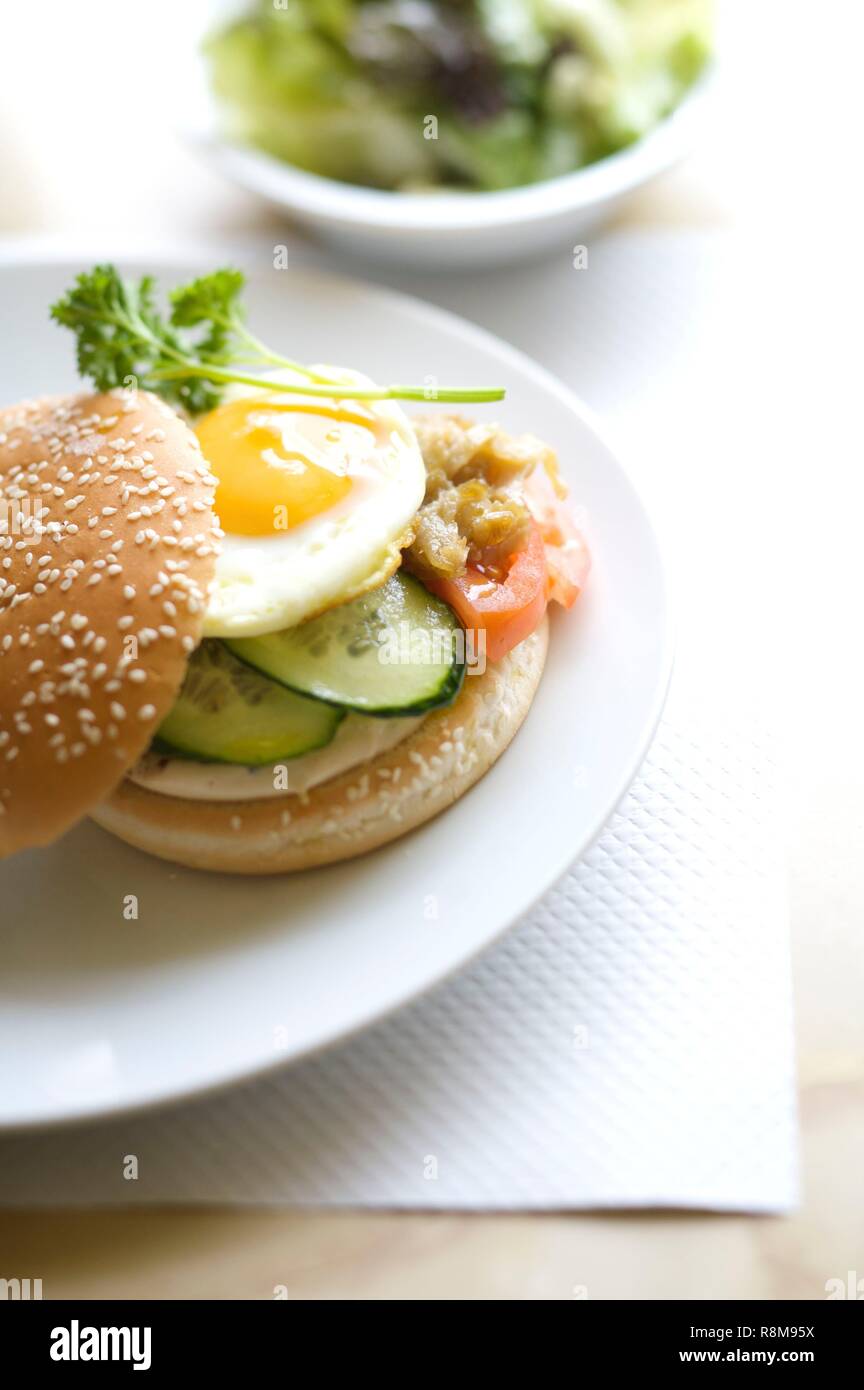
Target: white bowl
{"points": [[437, 231]]}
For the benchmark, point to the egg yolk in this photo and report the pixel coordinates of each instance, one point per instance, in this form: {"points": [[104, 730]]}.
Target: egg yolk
{"points": [[278, 464]]}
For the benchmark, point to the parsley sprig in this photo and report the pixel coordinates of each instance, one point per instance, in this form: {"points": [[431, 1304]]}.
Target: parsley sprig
{"points": [[201, 346]]}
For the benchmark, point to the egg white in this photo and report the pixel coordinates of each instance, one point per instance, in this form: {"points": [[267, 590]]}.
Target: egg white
{"points": [[267, 583]]}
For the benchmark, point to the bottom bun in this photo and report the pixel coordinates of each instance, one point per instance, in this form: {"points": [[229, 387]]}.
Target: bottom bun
{"points": [[356, 812]]}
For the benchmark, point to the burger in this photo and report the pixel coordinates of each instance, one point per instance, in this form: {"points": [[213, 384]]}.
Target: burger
{"points": [[258, 623]]}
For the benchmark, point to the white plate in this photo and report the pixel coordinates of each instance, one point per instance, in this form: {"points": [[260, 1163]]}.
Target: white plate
{"points": [[220, 978]]}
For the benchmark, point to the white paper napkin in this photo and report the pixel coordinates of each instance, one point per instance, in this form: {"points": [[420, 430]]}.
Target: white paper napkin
{"points": [[630, 1042]]}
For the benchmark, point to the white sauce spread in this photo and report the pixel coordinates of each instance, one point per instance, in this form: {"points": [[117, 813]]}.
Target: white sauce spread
{"points": [[357, 739]]}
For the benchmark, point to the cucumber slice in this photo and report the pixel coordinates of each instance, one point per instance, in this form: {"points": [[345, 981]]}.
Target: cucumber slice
{"points": [[394, 651], [228, 713]]}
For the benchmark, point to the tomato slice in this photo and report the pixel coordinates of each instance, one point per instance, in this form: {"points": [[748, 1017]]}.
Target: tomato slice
{"points": [[553, 564], [567, 554], [506, 609]]}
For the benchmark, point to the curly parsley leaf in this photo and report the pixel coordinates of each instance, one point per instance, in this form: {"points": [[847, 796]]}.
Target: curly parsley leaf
{"points": [[190, 356], [212, 302]]}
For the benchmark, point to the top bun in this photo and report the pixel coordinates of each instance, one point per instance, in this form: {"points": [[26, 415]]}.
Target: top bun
{"points": [[108, 546]]}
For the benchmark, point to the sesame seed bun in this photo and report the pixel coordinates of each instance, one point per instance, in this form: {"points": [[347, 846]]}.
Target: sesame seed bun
{"points": [[356, 812], [107, 548]]}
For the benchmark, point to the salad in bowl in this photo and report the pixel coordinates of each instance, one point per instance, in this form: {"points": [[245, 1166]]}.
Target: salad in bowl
{"points": [[476, 95]]}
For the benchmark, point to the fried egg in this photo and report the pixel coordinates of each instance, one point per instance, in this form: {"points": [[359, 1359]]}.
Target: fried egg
{"points": [[315, 498]]}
